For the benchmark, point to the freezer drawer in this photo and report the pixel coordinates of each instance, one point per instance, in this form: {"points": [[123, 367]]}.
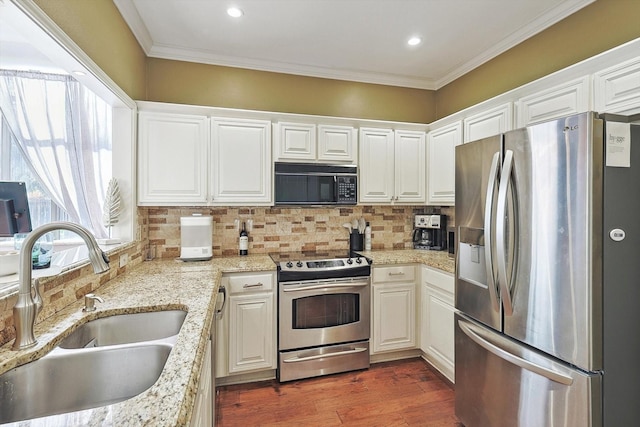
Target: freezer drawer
{"points": [[500, 382]]}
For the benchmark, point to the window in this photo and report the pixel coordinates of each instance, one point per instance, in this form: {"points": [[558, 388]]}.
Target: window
{"points": [[56, 137]]}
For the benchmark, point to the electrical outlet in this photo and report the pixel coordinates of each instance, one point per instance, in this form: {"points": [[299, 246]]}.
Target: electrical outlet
{"points": [[249, 225], [236, 224], [124, 259]]}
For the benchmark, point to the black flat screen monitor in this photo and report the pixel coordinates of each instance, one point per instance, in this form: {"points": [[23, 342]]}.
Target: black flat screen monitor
{"points": [[14, 209]]}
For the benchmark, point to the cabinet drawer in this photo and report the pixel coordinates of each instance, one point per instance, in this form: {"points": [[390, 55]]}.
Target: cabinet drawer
{"points": [[400, 273], [250, 283], [439, 280]]}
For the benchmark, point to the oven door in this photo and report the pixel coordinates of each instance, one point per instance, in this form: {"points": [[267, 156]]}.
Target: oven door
{"points": [[323, 312]]}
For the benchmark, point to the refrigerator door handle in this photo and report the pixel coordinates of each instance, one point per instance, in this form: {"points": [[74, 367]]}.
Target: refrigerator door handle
{"points": [[501, 244], [551, 374], [488, 220]]}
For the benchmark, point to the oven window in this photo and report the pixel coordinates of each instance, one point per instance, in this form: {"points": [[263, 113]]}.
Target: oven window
{"points": [[322, 311]]}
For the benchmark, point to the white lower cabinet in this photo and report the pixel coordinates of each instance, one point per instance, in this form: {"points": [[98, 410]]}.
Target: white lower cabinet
{"points": [[246, 339], [437, 320], [203, 411], [393, 308]]}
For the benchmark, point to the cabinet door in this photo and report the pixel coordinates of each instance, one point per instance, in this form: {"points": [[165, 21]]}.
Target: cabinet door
{"points": [[172, 159], [241, 162], [295, 141], [376, 166], [563, 100], [393, 317], [337, 144], [437, 331], [410, 166], [251, 332], [437, 320], [617, 89], [488, 123], [441, 187]]}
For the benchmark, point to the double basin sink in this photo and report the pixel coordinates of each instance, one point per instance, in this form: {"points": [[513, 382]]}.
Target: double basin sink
{"points": [[104, 361]]}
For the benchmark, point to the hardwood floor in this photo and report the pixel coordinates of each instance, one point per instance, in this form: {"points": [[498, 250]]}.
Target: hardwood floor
{"points": [[399, 393]]}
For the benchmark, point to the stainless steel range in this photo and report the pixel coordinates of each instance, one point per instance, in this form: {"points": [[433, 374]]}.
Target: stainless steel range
{"points": [[323, 313]]}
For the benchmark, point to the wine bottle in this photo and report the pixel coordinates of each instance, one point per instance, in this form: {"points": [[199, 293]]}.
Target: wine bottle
{"points": [[244, 241]]}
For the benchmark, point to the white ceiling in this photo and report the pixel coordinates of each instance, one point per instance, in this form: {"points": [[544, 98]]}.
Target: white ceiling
{"points": [[357, 40]]}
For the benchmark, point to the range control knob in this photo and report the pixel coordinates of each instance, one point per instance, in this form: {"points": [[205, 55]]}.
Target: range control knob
{"points": [[349, 261], [289, 264], [359, 261], [299, 264]]}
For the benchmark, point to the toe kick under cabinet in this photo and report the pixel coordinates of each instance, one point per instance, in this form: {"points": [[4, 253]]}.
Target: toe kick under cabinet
{"points": [[437, 320], [246, 330]]}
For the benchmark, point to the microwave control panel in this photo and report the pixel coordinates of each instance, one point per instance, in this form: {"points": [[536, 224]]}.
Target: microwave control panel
{"points": [[347, 189]]}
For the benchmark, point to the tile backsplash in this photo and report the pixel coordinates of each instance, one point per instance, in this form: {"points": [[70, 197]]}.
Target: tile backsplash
{"points": [[274, 230], [278, 229]]}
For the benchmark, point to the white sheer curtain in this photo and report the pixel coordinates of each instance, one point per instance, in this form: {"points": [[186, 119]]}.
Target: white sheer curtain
{"points": [[64, 132]]}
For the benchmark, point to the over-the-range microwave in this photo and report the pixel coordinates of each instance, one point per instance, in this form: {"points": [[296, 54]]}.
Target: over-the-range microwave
{"points": [[311, 184]]}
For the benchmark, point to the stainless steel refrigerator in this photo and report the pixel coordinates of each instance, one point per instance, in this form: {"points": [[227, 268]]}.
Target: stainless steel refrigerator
{"points": [[547, 329]]}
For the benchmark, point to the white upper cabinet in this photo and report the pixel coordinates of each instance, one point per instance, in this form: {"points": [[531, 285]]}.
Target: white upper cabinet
{"points": [[562, 100], [172, 159], [391, 166], [376, 166], [337, 144], [617, 89], [410, 166], [323, 143], [195, 160], [441, 180], [488, 123], [295, 141], [241, 162]]}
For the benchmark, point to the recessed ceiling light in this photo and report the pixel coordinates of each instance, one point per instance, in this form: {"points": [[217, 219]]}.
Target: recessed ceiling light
{"points": [[234, 12], [414, 41]]}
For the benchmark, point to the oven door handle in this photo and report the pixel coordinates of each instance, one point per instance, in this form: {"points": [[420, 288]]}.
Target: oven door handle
{"points": [[325, 286], [325, 355]]}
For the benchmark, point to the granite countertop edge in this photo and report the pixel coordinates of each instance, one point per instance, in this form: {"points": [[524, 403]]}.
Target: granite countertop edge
{"points": [[164, 285]]}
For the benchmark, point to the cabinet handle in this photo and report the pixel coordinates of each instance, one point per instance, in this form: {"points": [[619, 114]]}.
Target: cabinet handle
{"points": [[400, 273], [255, 285]]}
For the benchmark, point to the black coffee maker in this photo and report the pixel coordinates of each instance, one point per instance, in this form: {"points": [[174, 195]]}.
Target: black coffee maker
{"points": [[430, 232]]}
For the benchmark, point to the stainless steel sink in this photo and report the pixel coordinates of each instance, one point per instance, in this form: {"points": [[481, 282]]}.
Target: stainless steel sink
{"points": [[126, 328], [71, 380]]}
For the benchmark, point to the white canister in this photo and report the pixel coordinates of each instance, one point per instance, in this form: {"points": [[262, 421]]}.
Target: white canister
{"points": [[196, 238]]}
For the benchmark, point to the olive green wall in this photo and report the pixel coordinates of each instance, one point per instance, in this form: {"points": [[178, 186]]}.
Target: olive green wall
{"points": [[598, 27], [97, 27], [200, 84], [101, 32]]}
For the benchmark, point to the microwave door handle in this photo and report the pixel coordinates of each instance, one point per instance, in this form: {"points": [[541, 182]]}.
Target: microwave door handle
{"points": [[501, 235], [488, 230]]}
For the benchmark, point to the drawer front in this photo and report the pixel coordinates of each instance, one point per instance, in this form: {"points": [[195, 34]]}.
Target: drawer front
{"points": [[438, 279], [399, 273], [260, 282]]}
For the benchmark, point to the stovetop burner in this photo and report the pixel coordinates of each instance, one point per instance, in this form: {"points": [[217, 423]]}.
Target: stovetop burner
{"points": [[279, 257], [319, 265]]}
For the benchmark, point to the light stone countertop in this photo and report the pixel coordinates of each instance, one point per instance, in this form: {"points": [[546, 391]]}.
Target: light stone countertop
{"points": [[165, 285], [152, 286], [435, 259]]}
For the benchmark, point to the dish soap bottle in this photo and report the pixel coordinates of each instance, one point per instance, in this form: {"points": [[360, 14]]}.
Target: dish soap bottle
{"points": [[367, 237], [244, 241]]}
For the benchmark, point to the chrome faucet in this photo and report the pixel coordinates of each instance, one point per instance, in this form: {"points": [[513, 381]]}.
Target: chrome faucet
{"points": [[28, 304]]}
